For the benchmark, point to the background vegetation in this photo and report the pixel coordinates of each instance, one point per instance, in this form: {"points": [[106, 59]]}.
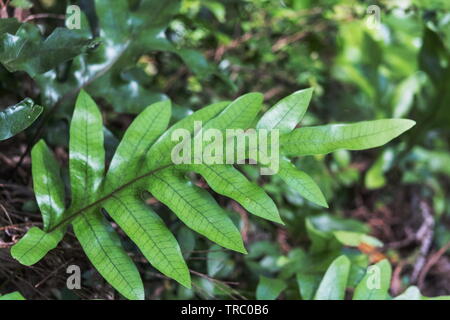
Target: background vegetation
{"points": [[198, 52]]}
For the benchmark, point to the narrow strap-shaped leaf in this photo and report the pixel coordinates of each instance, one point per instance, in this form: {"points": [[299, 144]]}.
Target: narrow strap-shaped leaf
{"points": [[334, 282], [17, 118], [376, 283], [150, 234], [227, 181], [12, 296], [47, 184], [102, 246], [138, 138], [240, 114], [159, 153], [329, 138], [287, 113], [35, 245], [87, 154], [49, 191], [269, 289], [196, 208], [301, 182]]}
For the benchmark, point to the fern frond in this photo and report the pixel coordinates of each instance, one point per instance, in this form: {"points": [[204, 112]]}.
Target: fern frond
{"points": [[142, 162]]}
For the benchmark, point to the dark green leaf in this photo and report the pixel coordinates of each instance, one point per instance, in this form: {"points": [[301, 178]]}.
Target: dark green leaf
{"points": [[17, 118]]}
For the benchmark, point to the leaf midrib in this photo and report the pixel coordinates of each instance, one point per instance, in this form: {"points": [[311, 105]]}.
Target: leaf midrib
{"points": [[309, 140], [195, 209], [240, 192], [111, 260], [146, 232], [105, 197]]}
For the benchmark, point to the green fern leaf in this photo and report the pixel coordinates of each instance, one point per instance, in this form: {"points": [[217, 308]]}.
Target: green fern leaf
{"points": [[301, 182], [196, 208], [143, 161], [356, 136], [227, 181]]}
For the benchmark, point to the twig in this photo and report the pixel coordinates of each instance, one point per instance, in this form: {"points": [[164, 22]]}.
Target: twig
{"points": [[18, 226], [396, 283], [212, 279], [433, 259], [6, 213], [52, 273], [44, 16], [244, 216], [425, 236], [281, 43]]}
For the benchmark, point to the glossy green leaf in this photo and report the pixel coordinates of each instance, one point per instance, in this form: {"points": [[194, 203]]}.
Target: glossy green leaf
{"points": [[356, 136], [269, 289], [160, 153], [35, 245], [49, 191], [287, 113], [99, 241], [301, 182], [17, 118], [87, 154], [376, 282], [334, 282], [26, 51], [132, 31], [47, 184], [196, 208], [240, 114], [228, 181], [139, 137], [150, 234], [103, 248]]}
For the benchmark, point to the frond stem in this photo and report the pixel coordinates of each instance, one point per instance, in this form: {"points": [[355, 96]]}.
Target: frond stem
{"points": [[70, 217]]}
